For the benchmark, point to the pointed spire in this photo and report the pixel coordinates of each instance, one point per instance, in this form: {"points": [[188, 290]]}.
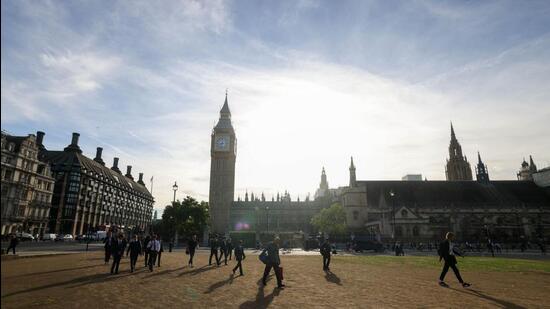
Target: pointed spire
{"points": [[352, 166], [453, 136], [225, 108], [532, 165], [479, 158]]}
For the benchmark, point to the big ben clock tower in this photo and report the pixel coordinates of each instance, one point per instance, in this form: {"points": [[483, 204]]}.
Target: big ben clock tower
{"points": [[223, 152]]}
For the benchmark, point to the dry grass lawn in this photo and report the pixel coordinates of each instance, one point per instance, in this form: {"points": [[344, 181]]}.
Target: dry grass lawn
{"points": [[82, 281]]}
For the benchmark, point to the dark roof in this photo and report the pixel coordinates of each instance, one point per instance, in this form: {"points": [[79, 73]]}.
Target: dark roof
{"points": [[16, 140], [73, 158], [458, 193]]}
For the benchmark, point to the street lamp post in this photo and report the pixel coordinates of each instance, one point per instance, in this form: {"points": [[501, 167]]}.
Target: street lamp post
{"points": [[392, 195], [175, 188]]}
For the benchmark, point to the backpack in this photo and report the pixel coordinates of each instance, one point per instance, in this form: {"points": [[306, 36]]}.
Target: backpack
{"points": [[263, 257]]}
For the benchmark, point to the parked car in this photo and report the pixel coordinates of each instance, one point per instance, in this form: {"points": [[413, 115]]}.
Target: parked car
{"points": [[368, 245], [49, 236], [68, 237], [100, 235], [24, 236]]}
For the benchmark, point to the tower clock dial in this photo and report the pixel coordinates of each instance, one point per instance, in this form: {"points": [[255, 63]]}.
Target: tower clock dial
{"points": [[221, 143]]}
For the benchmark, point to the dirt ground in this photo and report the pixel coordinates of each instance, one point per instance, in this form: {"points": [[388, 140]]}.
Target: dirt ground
{"points": [[82, 281]]}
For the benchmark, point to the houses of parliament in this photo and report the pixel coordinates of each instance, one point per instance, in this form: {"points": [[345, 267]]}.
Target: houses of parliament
{"points": [[405, 210]]}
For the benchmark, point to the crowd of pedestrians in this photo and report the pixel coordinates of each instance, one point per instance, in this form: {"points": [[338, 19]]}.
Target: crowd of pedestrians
{"points": [[222, 250]]}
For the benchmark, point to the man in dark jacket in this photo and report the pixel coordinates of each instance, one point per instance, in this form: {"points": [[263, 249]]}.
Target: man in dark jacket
{"points": [[273, 261], [447, 253], [135, 250], [191, 246], [230, 248], [117, 250], [213, 251], [223, 250], [13, 244], [325, 252], [239, 256], [109, 241], [146, 249]]}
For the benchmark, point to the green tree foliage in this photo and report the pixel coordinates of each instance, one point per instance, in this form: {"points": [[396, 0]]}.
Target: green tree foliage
{"points": [[187, 217], [331, 220]]}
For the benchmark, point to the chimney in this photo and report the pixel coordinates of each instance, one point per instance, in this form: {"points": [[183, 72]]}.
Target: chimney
{"points": [[98, 158], [74, 140], [115, 165], [74, 144], [140, 181], [40, 138], [129, 172]]}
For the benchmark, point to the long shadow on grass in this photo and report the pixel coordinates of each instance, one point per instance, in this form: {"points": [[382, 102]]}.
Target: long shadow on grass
{"points": [[332, 277], [503, 303], [262, 301], [164, 272], [54, 271], [97, 278], [219, 284], [197, 271]]}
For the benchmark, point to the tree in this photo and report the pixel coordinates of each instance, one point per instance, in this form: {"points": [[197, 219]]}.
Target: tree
{"points": [[331, 220], [187, 217]]}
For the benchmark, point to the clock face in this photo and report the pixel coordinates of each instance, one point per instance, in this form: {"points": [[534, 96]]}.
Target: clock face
{"points": [[221, 143]]}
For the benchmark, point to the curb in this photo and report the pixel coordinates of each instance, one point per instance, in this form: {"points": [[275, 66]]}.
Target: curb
{"points": [[15, 257]]}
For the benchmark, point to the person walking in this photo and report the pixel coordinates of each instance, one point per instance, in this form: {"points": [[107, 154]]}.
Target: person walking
{"points": [[239, 256], [108, 241], [13, 243], [214, 251], [447, 253], [117, 250], [325, 252], [135, 250], [223, 250], [229, 248], [490, 247], [146, 250], [159, 254], [273, 262], [153, 247], [191, 246]]}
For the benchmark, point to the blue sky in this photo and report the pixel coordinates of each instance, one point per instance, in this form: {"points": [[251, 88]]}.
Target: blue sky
{"points": [[311, 83]]}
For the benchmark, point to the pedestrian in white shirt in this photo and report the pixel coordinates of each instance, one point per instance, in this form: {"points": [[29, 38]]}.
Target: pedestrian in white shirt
{"points": [[154, 247]]}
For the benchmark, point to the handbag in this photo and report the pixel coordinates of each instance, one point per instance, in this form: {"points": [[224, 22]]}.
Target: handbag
{"points": [[280, 270], [187, 251]]}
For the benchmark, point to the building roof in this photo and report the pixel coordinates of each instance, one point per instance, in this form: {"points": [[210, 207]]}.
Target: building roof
{"points": [[16, 140], [73, 158], [458, 193]]}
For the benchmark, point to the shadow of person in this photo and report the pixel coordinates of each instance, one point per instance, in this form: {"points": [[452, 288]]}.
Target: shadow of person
{"points": [[160, 273], [262, 301], [503, 303], [76, 282], [197, 271], [332, 277], [219, 284]]}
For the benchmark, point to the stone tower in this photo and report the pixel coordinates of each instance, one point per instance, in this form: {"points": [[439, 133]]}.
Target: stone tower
{"points": [[527, 170], [458, 167], [223, 152], [482, 174]]}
